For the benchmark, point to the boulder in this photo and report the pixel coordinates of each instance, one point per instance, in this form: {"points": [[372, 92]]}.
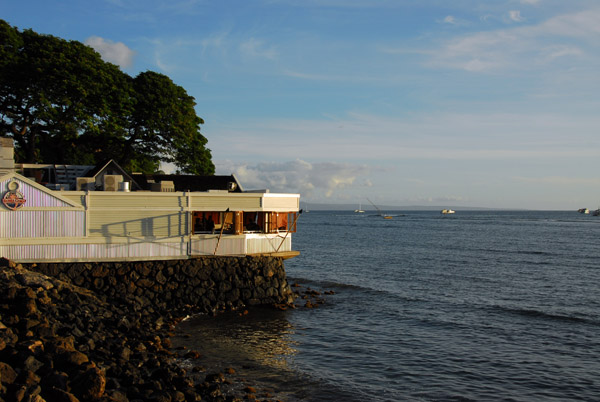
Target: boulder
{"points": [[89, 385], [7, 374]]}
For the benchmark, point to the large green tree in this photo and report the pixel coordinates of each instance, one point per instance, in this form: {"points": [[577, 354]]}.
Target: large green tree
{"points": [[62, 104], [165, 123]]}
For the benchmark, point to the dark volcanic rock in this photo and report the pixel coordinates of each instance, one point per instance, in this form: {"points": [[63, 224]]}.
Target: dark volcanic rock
{"points": [[62, 342]]}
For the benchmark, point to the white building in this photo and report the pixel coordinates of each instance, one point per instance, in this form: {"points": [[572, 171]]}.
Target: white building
{"points": [[39, 224]]}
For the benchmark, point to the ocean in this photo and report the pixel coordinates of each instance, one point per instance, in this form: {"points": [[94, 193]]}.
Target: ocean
{"points": [[475, 306]]}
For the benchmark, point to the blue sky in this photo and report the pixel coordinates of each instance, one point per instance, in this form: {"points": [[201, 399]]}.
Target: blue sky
{"points": [[408, 102]]}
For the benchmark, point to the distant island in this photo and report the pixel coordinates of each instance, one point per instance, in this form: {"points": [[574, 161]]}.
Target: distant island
{"points": [[351, 207]]}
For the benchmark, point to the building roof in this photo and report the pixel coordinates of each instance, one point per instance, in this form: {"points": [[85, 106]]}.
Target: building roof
{"points": [[190, 182]]}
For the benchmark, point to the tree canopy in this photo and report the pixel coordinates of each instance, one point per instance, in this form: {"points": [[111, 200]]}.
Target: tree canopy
{"points": [[61, 103]]}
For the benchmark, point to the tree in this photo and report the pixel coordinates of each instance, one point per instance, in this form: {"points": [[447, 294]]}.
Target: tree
{"points": [[165, 125], [52, 91], [62, 104]]}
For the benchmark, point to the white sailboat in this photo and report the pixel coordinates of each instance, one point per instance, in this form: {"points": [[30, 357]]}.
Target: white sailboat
{"points": [[359, 210]]}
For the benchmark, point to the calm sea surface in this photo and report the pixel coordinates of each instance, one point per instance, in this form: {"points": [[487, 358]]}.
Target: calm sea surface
{"points": [[473, 306]]}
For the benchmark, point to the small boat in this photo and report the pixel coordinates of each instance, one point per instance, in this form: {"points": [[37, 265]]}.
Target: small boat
{"points": [[583, 211], [448, 211], [359, 210], [596, 212], [384, 216]]}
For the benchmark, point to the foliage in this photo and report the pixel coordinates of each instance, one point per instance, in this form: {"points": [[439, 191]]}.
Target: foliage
{"points": [[62, 104]]}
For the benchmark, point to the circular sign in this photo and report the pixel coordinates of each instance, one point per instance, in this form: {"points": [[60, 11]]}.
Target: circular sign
{"points": [[13, 199]]}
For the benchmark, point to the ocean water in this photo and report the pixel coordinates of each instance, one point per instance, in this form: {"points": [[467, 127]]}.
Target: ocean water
{"points": [[476, 306]]}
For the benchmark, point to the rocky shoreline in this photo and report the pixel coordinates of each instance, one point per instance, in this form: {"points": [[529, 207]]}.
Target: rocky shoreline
{"points": [[60, 342]]}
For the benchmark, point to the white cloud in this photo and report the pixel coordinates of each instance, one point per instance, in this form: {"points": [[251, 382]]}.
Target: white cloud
{"points": [[450, 198], [216, 41], [255, 48], [114, 52], [560, 181], [523, 47], [450, 20], [558, 51], [515, 15], [309, 179]]}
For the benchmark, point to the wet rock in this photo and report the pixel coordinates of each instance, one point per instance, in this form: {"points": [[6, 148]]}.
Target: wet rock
{"points": [[192, 354], [59, 395], [90, 385], [7, 374], [28, 378], [117, 396], [55, 380], [32, 364], [71, 358], [215, 378], [61, 344]]}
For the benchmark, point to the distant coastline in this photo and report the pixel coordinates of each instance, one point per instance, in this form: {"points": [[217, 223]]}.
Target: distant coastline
{"points": [[351, 207]]}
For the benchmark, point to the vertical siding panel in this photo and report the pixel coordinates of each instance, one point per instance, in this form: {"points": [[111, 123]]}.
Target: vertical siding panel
{"points": [[40, 224], [123, 251]]}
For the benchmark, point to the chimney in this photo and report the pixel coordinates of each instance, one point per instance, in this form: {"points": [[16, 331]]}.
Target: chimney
{"points": [[7, 155]]}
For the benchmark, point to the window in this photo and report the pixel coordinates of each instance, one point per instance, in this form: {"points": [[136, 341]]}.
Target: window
{"points": [[246, 222]]}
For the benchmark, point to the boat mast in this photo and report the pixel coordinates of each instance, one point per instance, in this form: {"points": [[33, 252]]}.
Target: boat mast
{"points": [[378, 210]]}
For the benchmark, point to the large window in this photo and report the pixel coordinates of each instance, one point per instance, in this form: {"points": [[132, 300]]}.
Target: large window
{"points": [[209, 222], [281, 221], [243, 222]]}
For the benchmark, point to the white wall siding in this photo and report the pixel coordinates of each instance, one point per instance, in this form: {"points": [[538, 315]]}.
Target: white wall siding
{"points": [[226, 246], [42, 223], [269, 244], [93, 252], [281, 202], [240, 245], [138, 223]]}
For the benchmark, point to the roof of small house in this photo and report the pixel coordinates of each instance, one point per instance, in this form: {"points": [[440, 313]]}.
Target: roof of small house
{"points": [[112, 167]]}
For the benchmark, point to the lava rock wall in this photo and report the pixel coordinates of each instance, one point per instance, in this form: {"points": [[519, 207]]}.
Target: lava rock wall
{"points": [[207, 283]]}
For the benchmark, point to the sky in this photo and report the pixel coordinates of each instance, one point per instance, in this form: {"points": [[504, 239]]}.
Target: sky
{"points": [[463, 103]]}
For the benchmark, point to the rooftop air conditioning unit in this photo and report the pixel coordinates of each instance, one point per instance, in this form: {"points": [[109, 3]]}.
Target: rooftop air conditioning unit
{"points": [[86, 183], [163, 186], [111, 182]]}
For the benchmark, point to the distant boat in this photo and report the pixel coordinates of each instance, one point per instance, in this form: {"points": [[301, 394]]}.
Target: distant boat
{"points": [[583, 211], [359, 210], [384, 216], [596, 212], [448, 211]]}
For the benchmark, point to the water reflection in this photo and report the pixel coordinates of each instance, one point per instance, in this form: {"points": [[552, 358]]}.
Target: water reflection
{"points": [[262, 337], [262, 347]]}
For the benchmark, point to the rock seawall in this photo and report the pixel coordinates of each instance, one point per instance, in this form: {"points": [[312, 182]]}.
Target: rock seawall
{"points": [[208, 283], [101, 331]]}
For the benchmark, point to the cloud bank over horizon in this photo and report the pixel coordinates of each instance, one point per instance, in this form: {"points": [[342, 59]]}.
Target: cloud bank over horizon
{"points": [[323, 180]]}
